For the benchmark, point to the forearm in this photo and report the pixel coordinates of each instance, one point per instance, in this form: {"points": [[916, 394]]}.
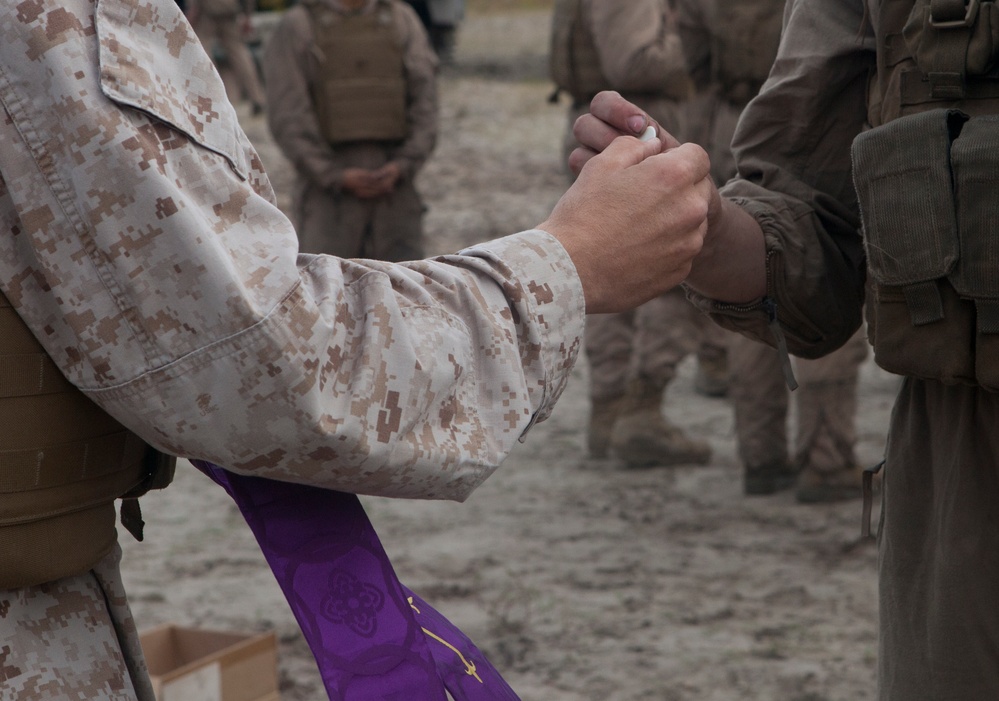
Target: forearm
{"points": [[732, 264]]}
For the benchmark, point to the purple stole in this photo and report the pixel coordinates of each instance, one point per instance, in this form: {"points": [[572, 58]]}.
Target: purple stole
{"points": [[371, 636]]}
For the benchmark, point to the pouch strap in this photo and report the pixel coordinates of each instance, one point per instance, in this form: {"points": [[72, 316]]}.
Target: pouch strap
{"points": [[924, 303], [951, 22], [988, 315]]}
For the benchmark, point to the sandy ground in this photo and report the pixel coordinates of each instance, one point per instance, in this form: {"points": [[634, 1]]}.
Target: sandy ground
{"points": [[580, 580]]}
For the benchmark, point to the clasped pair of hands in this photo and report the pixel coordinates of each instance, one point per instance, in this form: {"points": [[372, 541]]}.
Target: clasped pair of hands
{"points": [[368, 184], [644, 216]]}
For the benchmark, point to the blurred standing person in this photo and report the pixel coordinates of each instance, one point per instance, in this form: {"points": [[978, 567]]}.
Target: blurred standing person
{"points": [[352, 90], [228, 23], [441, 19], [633, 47], [730, 47]]}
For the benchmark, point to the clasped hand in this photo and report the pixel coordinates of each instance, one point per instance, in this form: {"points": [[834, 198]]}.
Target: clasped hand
{"points": [[636, 217], [368, 184]]}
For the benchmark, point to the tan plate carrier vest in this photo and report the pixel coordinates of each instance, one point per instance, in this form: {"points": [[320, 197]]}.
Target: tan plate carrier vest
{"points": [[927, 181], [574, 62], [63, 462], [360, 89]]}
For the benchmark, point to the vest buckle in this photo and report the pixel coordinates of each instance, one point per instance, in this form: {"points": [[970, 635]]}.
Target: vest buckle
{"points": [[946, 11]]}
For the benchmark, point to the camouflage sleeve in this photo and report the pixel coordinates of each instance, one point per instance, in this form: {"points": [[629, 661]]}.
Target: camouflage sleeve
{"points": [[421, 81], [795, 179], [144, 250]]}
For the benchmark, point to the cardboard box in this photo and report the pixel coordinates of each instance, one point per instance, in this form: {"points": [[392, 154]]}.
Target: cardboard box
{"points": [[191, 664]]}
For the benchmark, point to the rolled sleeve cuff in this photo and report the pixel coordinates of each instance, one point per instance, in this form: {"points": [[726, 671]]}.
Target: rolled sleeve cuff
{"points": [[546, 299]]}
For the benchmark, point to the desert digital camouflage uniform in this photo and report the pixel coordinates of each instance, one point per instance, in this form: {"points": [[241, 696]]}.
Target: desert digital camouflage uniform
{"points": [[144, 250], [824, 463], [222, 21], [633, 47], [389, 227], [939, 530]]}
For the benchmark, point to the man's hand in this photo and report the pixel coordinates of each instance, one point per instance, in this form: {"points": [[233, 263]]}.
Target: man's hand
{"points": [[368, 184], [611, 116], [388, 175], [731, 266], [634, 220], [361, 183]]}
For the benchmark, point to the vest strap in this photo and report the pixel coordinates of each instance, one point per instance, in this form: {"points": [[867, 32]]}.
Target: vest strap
{"points": [[65, 463], [988, 315], [29, 374], [924, 303]]}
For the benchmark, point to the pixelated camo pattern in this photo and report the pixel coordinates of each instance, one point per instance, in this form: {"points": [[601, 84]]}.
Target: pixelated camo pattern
{"points": [[72, 640], [142, 245]]}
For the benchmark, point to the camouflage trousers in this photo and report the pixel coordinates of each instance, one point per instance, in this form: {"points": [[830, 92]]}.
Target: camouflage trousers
{"points": [[938, 543], [72, 639], [647, 343], [826, 401]]}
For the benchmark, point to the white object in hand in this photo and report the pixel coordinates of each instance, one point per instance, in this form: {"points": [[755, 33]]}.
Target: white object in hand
{"points": [[648, 134]]}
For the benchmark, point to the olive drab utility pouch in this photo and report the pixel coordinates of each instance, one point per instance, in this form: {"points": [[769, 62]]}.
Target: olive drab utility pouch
{"points": [[928, 187]]}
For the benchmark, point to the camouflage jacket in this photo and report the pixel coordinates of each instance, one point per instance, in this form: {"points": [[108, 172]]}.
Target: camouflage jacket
{"points": [[143, 248]]}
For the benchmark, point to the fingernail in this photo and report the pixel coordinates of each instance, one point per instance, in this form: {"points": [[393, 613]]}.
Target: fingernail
{"points": [[636, 123]]}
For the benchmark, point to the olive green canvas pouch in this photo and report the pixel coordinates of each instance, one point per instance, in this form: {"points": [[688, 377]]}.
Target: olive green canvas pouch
{"points": [[917, 323]]}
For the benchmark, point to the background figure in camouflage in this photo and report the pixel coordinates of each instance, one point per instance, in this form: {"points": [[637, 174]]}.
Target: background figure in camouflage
{"points": [[441, 19], [228, 23], [729, 48], [370, 57], [633, 47]]}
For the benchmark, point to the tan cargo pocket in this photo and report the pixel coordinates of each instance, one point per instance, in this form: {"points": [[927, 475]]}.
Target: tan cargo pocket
{"points": [[172, 80]]}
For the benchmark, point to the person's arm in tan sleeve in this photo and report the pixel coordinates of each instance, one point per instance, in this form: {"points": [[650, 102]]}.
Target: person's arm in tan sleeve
{"points": [[696, 39], [421, 100], [639, 48]]}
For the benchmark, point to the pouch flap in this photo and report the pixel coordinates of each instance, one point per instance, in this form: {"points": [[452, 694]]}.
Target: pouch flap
{"points": [[173, 80], [902, 176]]}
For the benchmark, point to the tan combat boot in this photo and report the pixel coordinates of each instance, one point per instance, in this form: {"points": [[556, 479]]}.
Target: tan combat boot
{"points": [[815, 487], [768, 478], [712, 378], [642, 437], [603, 414]]}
